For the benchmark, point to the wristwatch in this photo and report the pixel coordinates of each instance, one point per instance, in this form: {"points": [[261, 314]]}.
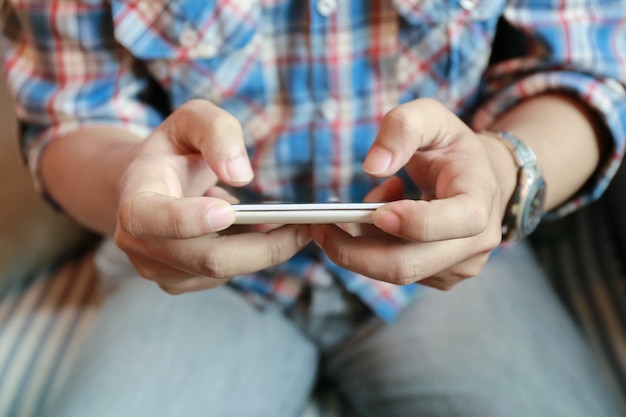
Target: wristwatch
{"points": [[526, 207]]}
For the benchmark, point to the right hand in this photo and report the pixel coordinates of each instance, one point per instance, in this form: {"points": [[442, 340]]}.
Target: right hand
{"points": [[445, 237], [172, 209]]}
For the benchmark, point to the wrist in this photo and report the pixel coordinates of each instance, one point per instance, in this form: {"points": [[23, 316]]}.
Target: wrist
{"points": [[504, 166], [526, 205]]}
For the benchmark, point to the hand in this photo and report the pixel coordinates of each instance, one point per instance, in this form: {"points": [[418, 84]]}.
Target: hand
{"points": [[171, 207], [448, 236]]}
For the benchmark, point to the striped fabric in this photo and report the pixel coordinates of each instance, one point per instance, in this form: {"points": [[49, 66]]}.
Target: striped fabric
{"points": [[42, 321], [42, 324], [588, 271]]}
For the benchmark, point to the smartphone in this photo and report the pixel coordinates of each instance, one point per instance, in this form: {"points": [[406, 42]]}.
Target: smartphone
{"points": [[296, 213]]}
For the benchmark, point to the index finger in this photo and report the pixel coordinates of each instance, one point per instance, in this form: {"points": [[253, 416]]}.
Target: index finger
{"points": [[456, 217]]}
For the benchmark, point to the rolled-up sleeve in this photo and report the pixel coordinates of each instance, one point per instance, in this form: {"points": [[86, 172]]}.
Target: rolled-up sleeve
{"points": [[66, 70], [573, 46]]}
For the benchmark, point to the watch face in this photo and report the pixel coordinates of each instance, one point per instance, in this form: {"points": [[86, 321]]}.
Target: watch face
{"points": [[533, 211]]}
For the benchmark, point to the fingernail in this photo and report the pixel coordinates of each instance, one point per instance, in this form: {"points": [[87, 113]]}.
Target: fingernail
{"points": [[377, 161], [239, 169], [304, 236], [220, 217], [387, 220]]}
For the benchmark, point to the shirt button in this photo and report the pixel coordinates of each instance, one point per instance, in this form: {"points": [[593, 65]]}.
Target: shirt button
{"points": [[215, 96], [188, 38], [468, 4], [326, 7], [330, 110], [207, 50], [160, 70], [321, 279], [615, 86]]}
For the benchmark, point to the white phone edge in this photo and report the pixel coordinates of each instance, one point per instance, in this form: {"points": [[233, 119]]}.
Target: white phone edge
{"points": [[320, 213]]}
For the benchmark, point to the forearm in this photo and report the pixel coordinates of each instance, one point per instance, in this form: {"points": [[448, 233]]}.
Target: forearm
{"points": [[81, 171], [564, 136]]}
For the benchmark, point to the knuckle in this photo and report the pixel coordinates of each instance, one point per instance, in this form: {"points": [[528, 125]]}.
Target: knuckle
{"points": [[212, 265], [173, 290], [126, 217], [223, 123], [403, 274], [193, 106], [403, 119], [217, 120], [120, 238], [480, 216], [176, 225], [489, 240], [275, 252], [445, 285], [433, 104], [467, 270], [144, 269], [440, 283], [405, 279], [185, 114], [466, 273], [493, 240], [423, 229], [342, 256]]}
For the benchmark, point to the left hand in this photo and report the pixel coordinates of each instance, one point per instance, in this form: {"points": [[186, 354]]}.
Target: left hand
{"points": [[448, 236]]}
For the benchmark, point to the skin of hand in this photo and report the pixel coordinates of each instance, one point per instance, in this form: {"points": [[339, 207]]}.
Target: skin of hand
{"points": [[161, 198], [467, 180]]}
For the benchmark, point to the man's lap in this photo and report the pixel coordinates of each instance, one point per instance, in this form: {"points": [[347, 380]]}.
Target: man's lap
{"points": [[495, 345], [499, 344], [202, 354]]}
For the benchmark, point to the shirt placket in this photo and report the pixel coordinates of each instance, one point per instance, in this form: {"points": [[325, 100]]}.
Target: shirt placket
{"points": [[325, 131]]}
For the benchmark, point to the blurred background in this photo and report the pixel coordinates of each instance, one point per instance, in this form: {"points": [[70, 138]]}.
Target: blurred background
{"points": [[31, 233]]}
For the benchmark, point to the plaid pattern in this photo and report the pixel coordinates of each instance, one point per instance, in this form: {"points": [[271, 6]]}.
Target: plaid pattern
{"points": [[309, 84]]}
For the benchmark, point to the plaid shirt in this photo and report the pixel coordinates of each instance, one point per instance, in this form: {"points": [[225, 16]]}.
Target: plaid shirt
{"points": [[310, 82]]}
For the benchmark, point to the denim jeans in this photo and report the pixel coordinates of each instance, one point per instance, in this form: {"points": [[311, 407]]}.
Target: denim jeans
{"points": [[499, 344]]}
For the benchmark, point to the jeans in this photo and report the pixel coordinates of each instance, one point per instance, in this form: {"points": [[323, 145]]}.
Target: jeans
{"points": [[499, 344]]}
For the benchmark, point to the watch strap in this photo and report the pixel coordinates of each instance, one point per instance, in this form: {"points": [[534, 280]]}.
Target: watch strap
{"points": [[525, 159]]}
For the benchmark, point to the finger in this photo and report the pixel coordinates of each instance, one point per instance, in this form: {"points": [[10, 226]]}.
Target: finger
{"points": [[172, 280], [223, 257], [450, 278], [398, 262], [150, 215], [193, 284], [199, 125], [390, 190], [418, 125], [461, 216], [157, 271]]}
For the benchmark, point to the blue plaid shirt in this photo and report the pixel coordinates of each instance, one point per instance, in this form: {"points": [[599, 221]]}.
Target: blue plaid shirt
{"points": [[310, 82]]}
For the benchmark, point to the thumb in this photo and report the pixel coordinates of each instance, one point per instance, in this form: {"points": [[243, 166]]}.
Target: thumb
{"points": [[199, 125], [419, 125]]}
